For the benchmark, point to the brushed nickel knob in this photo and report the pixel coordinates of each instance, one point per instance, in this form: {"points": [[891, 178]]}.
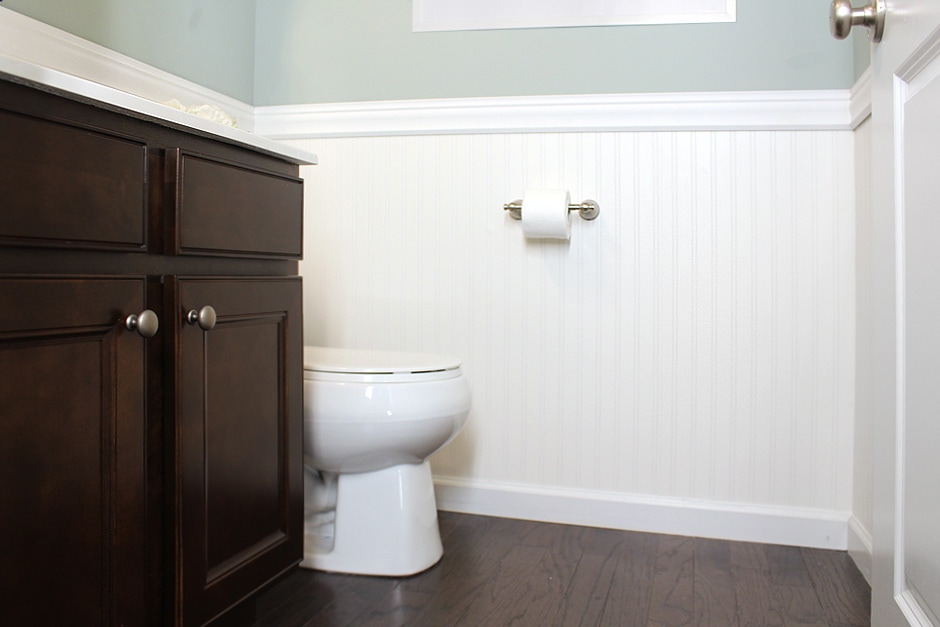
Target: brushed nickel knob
{"points": [[205, 317], [145, 323], [842, 17]]}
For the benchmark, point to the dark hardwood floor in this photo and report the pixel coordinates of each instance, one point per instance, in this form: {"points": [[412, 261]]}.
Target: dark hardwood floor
{"points": [[508, 572]]}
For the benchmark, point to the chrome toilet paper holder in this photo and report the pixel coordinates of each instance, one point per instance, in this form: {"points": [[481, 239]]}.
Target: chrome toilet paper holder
{"points": [[588, 210]]}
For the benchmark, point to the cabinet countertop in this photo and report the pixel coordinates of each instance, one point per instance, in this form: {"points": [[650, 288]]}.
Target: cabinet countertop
{"points": [[69, 86]]}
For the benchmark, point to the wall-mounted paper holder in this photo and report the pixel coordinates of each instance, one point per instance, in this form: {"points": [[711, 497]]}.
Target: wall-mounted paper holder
{"points": [[588, 210]]}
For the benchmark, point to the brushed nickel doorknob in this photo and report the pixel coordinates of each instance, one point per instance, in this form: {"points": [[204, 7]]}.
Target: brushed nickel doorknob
{"points": [[205, 317], [842, 17], [145, 323]]}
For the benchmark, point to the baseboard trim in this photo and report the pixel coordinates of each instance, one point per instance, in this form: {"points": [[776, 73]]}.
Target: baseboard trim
{"points": [[825, 529], [860, 547]]}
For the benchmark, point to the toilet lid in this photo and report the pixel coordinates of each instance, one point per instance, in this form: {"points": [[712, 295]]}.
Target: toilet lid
{"points": [[356, 361]]}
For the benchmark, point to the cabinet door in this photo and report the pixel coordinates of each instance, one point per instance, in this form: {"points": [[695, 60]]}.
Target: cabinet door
{"points": [[239, 444], [72, 442]]}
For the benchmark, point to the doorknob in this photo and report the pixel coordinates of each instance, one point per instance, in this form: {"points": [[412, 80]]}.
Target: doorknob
{"points": [[205, 317], [145, 323], [842, 17]]}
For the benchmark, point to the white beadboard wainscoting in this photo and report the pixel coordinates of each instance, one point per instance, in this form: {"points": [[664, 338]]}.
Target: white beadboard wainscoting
{"points": [[684, 364]]}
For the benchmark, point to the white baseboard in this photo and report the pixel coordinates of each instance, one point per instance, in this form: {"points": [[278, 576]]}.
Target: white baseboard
{"points": [[860, 547], [726, 521]]}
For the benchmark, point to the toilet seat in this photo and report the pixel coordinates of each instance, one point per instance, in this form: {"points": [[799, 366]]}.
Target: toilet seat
{"points": [[371, 366]]}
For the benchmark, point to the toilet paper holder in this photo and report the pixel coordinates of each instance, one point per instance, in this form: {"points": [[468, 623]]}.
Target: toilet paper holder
{"points": [[588, 210]]}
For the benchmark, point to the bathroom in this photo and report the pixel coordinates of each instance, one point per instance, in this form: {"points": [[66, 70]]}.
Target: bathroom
{"points": [[694, 361]]}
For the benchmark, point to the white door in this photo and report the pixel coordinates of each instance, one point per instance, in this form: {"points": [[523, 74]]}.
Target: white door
{"points": [[906, 316]]}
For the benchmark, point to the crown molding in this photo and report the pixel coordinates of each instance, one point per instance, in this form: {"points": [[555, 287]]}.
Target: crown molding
{"points": [[691, 111]]}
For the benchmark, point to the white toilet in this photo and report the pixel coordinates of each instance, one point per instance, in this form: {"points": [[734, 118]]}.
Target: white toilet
{"points": [[371, 420]]}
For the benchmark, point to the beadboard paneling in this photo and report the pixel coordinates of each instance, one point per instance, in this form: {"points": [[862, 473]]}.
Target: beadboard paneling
{"points": [[696, 341]]}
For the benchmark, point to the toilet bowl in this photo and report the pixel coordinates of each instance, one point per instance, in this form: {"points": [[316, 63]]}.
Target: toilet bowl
{"points": [[371, 421]]}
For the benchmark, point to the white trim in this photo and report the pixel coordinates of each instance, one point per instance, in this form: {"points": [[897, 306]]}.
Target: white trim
{"points": [[860, 547], [457, 15], [712, 111], [825, 529], [860, 99]]}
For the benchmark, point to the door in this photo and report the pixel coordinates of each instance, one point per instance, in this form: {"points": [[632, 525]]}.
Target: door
{"points": [[238, 439], [72, 453], [906, 256]]}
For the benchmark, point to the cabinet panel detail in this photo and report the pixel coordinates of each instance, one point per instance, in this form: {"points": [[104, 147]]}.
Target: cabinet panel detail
{"points": [[239, 439], [234, 210], [70, 187], [72, 452]]}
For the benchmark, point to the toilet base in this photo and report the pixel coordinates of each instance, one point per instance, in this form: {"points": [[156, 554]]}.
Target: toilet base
{"points": [[385, 524]]}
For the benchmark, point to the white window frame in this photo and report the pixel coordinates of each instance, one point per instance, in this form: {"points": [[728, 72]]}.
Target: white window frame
{"points": [[453, 15]]}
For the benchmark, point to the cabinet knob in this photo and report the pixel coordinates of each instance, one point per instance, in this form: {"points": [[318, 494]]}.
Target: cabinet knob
{"points": [[145, 323], [205, 317]]}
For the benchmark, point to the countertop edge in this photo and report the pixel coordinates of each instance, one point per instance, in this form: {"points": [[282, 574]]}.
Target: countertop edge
{"points": [[102, 96]]}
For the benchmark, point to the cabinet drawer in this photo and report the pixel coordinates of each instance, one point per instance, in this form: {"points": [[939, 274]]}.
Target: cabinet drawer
{"points": [[70, 187], [229, 209]]}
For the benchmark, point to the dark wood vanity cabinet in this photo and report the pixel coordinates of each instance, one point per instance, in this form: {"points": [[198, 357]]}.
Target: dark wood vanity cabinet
{"points": [[146, 480]]}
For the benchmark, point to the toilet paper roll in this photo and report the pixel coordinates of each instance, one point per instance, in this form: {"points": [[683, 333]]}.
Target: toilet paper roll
{"points": [[545, 214]]}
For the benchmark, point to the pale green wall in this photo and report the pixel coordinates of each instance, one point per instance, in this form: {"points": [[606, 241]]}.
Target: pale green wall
{"points": [[353, 50], [210, 42], [308, 51], [862, 49]]}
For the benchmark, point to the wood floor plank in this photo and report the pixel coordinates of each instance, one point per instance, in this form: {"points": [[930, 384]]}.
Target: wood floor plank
{"points": [[749, 555], [629, 597], [755, 600], [672, 597], [498, 572], [350, 602], [715, 603], [794, 592], [398, 608], [525, 591], [841, 589], [589, 588], [317, 590]]}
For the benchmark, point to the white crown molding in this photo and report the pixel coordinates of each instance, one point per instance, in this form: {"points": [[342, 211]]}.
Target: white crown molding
{"points": [[33, 42], [727, 521], [712, 111]]}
